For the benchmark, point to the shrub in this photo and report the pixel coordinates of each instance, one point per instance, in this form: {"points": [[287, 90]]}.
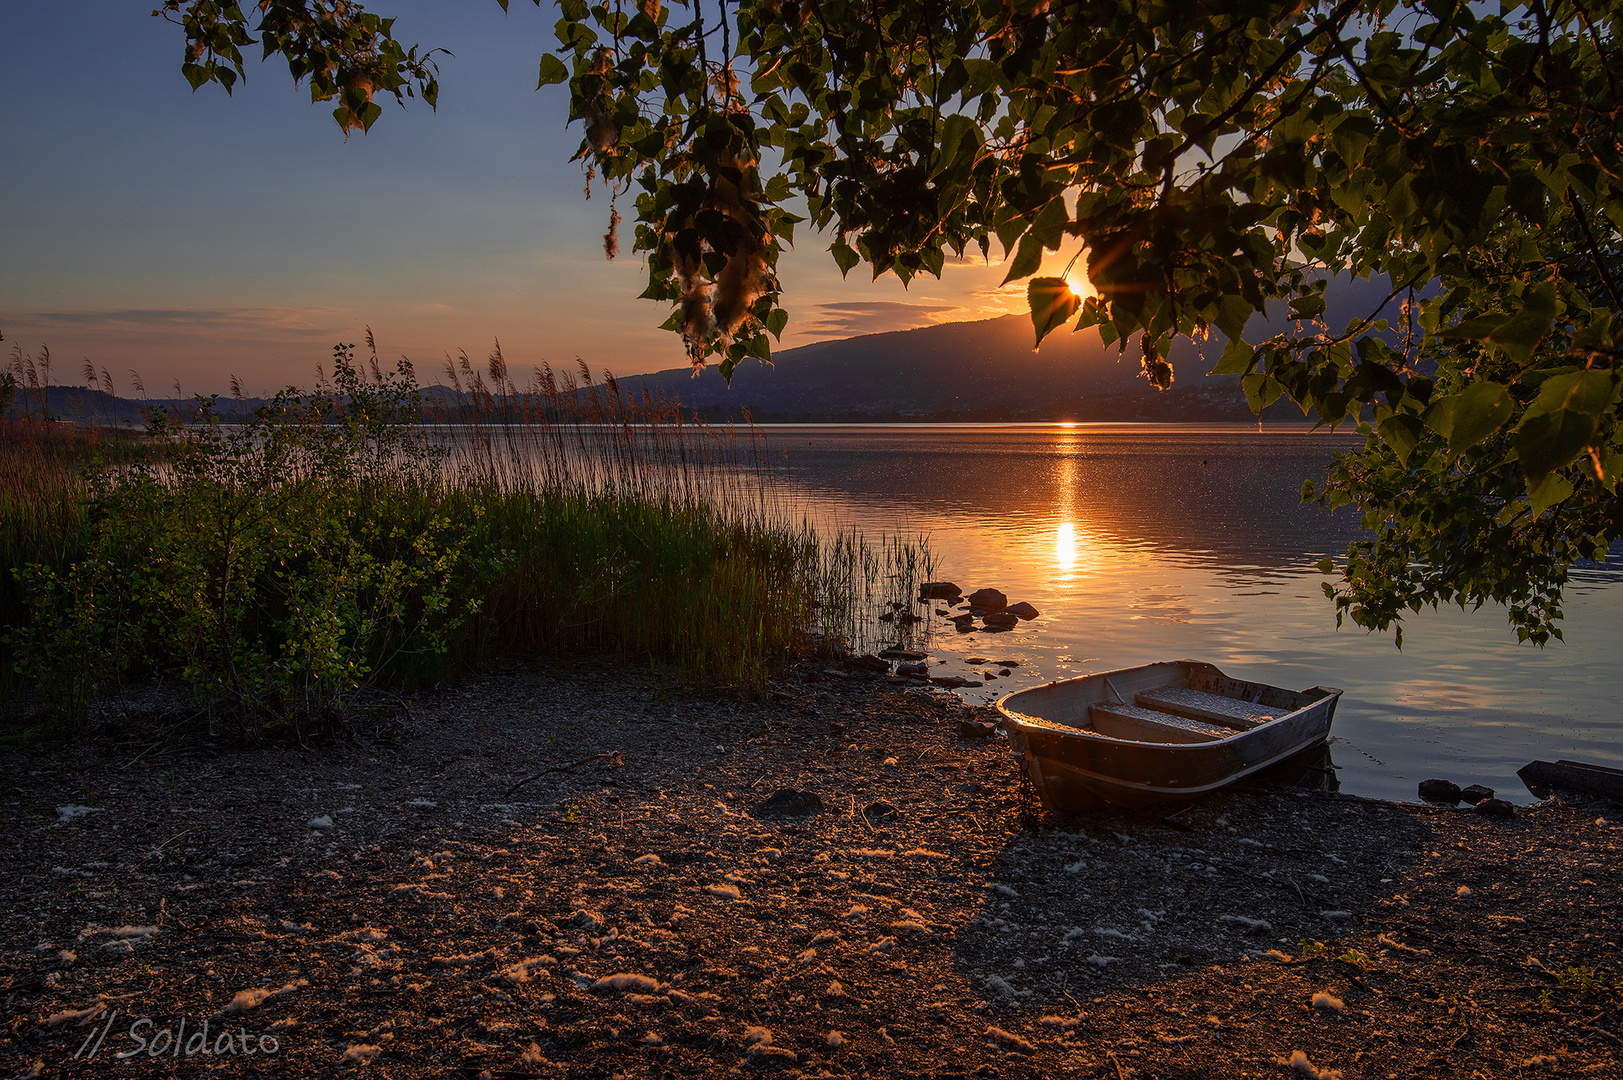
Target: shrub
{"points": [[273, 567]]}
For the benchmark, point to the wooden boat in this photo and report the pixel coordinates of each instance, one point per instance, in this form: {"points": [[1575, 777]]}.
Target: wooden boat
{"points": [[1159, 733]]}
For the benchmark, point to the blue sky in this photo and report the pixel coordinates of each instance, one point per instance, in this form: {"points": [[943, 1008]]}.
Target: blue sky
{"points": [[191, 237]]}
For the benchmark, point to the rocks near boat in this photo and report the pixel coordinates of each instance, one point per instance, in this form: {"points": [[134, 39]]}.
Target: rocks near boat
{"points": [[787, 802], [1440, 791], [954, 682], [1448, 793], [976, 729], [989, 599]]}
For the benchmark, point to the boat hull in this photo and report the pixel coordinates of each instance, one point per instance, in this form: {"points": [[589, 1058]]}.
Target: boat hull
{"points": [[1076, 770]]}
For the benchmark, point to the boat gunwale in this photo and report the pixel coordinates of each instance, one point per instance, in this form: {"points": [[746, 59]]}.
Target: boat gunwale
{"points": [[1068, 731]]}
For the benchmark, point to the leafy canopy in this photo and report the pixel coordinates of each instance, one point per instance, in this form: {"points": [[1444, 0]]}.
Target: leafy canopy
{"points": [[1215, 161]]}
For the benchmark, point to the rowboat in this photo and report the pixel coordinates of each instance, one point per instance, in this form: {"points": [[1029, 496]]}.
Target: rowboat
{"points": [[1164, 732]]}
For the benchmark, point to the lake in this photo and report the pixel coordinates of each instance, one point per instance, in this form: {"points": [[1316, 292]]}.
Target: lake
{"points": [[1146, 542]]}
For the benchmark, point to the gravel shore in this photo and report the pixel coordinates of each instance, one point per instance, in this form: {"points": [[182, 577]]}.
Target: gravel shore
{"points": [[425, 904]]}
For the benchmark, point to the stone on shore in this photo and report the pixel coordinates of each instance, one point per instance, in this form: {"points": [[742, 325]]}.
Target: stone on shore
{"points": [[1476, 794], [1440, 791], [787, 802], [990, 599]]}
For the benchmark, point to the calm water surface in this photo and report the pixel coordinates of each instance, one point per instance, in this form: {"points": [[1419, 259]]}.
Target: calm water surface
{"points": [[1149, 542]]}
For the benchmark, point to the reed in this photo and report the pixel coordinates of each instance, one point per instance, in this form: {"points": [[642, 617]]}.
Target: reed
{"points": [[564, 516]]}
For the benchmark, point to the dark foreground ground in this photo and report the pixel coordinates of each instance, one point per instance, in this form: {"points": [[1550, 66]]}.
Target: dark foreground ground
{"points": [[388, 908]]}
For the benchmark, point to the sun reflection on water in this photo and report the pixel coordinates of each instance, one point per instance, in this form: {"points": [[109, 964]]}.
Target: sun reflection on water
{"points": [[1065, 546]]}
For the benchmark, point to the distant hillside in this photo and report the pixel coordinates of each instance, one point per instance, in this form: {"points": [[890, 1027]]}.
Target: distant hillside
{"points": [[976, 370]]}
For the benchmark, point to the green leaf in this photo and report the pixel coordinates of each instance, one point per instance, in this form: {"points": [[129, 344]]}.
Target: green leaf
{"points": [[1260, 391], [1551, 490], [1050, 223], [1027, 258], [552, 71], [1238, 358], [1562, 421], [960, 139], [1232, 314], [1052, 303], [1402, 431], [1520, 334], [1469, 417], [845, 256], [1325, 565]]}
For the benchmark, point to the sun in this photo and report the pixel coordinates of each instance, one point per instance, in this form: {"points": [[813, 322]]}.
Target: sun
{"points": [[1078, 287]]}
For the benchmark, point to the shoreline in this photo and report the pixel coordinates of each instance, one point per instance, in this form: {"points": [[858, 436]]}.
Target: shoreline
{"points": [[390, 904]]}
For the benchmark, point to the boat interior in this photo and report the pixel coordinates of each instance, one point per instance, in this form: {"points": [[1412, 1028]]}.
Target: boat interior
{"points": [[1183, 702]]}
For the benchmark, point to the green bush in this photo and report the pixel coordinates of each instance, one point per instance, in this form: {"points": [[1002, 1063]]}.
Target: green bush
{"points": [[274, 568]]}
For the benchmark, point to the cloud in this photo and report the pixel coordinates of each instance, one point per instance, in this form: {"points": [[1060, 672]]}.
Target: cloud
{"points": [[847, 318], [295, 322]]}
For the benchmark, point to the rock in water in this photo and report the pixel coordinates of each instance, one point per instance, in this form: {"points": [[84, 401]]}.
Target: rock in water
{"points": [[920, 670], [990, 599], [1476, 794], [1002, 618], [1440, 791], [787, 802], [939, 590], [870, 662], [1023, 610]]}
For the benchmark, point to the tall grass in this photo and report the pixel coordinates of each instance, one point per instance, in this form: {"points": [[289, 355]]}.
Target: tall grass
{"points": [[419, 533]]}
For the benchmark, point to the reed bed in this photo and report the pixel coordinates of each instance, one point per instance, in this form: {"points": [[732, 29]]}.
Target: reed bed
{"points": [[373, 535]]}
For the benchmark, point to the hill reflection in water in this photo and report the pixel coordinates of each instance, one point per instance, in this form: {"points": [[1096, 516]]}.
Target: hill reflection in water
{"points": [[1153, 542]]}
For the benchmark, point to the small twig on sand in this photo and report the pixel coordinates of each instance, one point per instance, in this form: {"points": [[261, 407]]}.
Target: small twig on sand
{"points": [[613, 755], [1119, 1074], [163, 845]]}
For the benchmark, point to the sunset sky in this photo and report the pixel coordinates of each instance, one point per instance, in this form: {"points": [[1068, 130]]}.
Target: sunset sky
{"points": [[194, 236]]}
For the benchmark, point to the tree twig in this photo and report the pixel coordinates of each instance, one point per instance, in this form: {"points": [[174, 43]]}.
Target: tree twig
{"points": [[613, 755]]}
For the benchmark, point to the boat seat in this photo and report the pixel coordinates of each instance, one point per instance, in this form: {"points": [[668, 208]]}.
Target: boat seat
{"points": [[1213, 708], [1123, 721]]}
